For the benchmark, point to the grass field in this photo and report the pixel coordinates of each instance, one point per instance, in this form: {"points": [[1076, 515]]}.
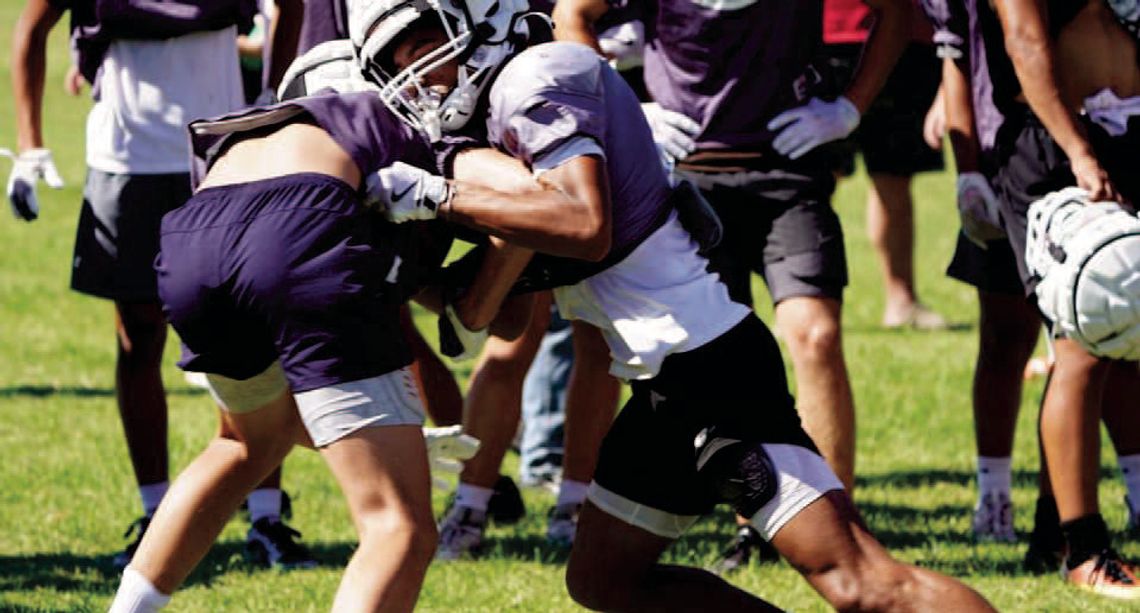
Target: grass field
{"points": [[66, 490]]}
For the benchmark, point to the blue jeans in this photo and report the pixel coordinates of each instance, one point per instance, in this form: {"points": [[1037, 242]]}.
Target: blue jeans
{"points": [[544, 405]]}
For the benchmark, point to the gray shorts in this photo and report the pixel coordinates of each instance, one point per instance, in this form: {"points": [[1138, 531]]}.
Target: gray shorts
{"points": [[117, 237], [780, 225], [329, 413]]}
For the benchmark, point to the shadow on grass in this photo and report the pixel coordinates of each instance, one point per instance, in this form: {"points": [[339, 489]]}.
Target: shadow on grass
{"points": [[951, 327], [935, 476], [44, 391]]}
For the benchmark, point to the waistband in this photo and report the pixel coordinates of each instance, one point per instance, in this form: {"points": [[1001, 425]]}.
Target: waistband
{"points": [[239, 202]]}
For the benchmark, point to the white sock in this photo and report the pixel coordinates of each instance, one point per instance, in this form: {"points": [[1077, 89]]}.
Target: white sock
{"points": [[571, 492], [152, 495], [137, 595], [993, 475], [264, 502], [1130, 471], [473, 496]]}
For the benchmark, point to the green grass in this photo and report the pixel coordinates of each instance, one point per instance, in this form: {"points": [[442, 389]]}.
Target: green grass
{"points": [[66, 489]]}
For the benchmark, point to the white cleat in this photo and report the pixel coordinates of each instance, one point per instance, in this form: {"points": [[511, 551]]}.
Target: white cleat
{"points": [[993, 518], [461, 533]]}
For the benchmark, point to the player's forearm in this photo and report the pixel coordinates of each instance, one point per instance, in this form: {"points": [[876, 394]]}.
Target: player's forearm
{"points": [[1029, 47], [543, 218], [956, 95], [574, 21], [500, 268], [885, 43], [29, 46]]}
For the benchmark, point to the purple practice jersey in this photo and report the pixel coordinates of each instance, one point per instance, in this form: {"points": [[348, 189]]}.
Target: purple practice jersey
{"points": [[731, 65], [560, 100], [359, 122], [958, 34], [95, 23], [323, 20]]}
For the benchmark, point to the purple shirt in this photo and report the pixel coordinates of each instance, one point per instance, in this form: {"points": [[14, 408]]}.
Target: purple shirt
{"points": [[732, 70], [559, 96], [95, 23], [359, 122], [323, 20]]}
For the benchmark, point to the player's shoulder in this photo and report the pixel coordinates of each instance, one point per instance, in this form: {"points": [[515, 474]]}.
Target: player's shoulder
{"points": [[556, 65]]}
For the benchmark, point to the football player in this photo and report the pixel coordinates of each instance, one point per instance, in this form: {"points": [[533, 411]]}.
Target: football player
{"points": [[616, 252]]}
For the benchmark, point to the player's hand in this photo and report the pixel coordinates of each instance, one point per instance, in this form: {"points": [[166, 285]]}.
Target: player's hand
{"points": [[978, 209], [1093, 178], [455, 340], [30, 166], [934, 125], [447, 448], [806, 127], [673, 132], [623, 44], [406, 193], [73, 81]]}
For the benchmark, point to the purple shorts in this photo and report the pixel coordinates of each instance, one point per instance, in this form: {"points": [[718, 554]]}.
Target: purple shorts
{"points": [[290, 268]]}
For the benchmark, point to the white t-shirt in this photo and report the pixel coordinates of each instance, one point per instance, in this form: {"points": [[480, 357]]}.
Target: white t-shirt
{"points": [[659, 300], [149, 90]]}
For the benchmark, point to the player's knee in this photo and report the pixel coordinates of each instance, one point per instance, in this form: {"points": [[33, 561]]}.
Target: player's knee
{"points": [[817, 338], [865, 587], [412, 535], [504, 366], [591, 589]]}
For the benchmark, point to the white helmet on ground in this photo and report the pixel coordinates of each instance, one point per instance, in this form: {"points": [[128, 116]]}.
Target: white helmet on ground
{"points": [[1087, 257], [331, 64], [481, 35]]}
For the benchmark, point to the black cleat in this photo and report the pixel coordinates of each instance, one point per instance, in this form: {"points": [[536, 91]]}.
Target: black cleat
{"points": [[506, 505], [743, 546], [138, 528], [272, 544]]}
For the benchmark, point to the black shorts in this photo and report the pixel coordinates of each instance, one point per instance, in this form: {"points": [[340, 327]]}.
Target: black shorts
{"points": [[1031, 165], [780, 225], [993, 269], [736, 383], [117, 237], [890, 132]]}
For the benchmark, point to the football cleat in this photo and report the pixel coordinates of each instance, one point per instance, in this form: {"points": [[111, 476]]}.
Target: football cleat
{"points": [[743, 546], [1104, 574], [993, 518], [563, 524], [272, 544], [461, 533], [138, 528], [506, 505]]}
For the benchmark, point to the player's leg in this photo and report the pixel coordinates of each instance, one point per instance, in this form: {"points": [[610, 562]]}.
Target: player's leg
{"points": [[541, 445], [890, 226], [1123, 424], [491, 414], [591, 401], [383, 473]]}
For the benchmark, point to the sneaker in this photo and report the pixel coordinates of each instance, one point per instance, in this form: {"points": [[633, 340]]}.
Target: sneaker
{"points": [[1104, 574], [993, 518], [273, 544], [138, 528], [741, 549], [563, 524], [461, 533], [506, 505]]}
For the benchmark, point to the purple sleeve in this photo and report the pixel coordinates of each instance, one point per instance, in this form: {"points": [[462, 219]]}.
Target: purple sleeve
{"points": [[951, 27], [550, 120]]}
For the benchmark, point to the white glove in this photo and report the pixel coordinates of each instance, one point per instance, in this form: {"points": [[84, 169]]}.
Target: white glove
{"points": [[623, 44], [978, 209], [806, 127], [471, 340], [30, 166], [673, 132], [406, 193], [447, 448]]}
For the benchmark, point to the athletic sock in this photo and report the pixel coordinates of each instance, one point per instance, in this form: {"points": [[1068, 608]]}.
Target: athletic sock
{"points": [[993, 475], [151, 495], [1086, 536], [264, 502], [137, 595], [1130, 471], [571, 492], [473, 496]]}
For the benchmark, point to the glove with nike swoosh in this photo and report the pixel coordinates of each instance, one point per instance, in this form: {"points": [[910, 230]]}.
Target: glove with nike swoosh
{"points": [[403, 193]]}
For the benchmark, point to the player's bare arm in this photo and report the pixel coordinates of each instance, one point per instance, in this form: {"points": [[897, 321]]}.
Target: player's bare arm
{"points": [[959, 116], [575, 20], [29, 45], [885, 44]]}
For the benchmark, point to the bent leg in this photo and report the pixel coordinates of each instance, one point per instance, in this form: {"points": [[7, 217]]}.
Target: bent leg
{"points": [[591, 402], [442, 398], [141, 332], [383, 472]]}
